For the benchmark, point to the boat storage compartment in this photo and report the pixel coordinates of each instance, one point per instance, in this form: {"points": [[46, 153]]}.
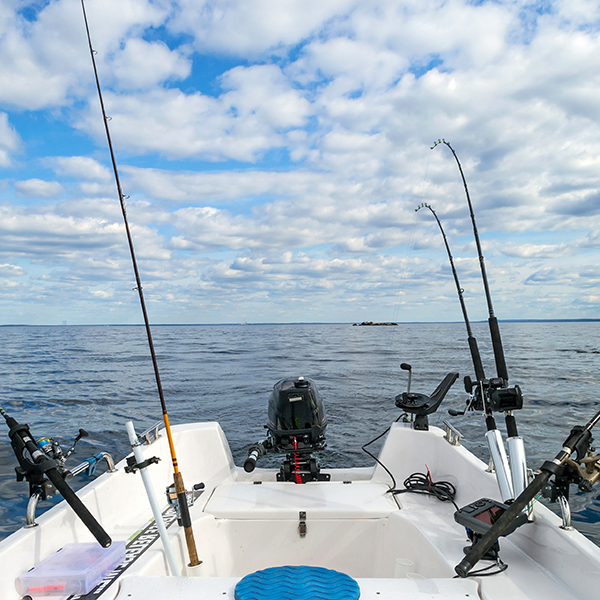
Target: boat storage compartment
{"points": [[74, 569]]}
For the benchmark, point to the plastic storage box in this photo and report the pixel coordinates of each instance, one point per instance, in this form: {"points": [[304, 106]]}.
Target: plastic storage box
{"points": [[74, 569]]}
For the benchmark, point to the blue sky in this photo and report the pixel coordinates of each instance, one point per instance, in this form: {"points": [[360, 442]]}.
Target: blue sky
{"points": [[274, 152]]}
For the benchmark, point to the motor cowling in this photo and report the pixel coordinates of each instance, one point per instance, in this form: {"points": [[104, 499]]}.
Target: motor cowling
{"points": [[296, 416]]}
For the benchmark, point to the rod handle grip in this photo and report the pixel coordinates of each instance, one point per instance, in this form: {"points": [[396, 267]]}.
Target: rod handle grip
{"points": [[498, 349]]}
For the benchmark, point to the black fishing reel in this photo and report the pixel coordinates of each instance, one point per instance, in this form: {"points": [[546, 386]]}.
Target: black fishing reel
{"points": [[296, 424], [582, 471], [492, 392]]}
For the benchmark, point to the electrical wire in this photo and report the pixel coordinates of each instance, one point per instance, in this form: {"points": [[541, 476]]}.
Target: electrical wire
{"points": [[364, 448], [419, 483]]}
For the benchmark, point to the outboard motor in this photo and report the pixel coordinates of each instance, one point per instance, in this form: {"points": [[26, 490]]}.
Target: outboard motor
{"points": [[296, 424]]}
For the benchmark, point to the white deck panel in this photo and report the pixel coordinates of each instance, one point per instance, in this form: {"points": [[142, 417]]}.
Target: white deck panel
{"points": [[284, 500], [222, 588]]}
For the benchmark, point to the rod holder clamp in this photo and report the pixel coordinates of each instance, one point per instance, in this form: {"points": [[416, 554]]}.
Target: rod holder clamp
{"points": [[133, 466]]}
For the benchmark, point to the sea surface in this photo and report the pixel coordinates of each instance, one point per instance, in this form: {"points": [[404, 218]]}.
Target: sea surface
{"points": [[58, 379]]}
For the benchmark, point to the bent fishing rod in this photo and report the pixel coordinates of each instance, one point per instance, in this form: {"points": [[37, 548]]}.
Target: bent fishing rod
{"points": [[493, 436], [493, 321], [177, 477], [505, 399]]}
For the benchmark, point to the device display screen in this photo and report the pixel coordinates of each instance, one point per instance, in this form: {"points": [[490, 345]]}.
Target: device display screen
{"points": [[491, 515]]}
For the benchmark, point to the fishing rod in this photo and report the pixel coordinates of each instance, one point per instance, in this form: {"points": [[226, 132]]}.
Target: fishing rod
{"points": [[493, 321], [35, 466], [479, 372], [177, 477], [493, 437], [503, 398]]}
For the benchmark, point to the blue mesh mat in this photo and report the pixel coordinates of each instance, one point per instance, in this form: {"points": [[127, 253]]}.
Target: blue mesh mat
{"points": [[297, 583]]}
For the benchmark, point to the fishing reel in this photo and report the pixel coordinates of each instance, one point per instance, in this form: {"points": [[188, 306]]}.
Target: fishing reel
{"points": [[583, 471], [296, 424], [30, 471], [493, 393]]}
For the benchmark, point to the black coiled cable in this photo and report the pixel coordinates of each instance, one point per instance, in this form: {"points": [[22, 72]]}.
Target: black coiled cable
{"points": [[421, 483]]}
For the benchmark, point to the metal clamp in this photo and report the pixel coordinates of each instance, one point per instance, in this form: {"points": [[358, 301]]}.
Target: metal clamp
{"points": [[452, 434], [89, 465], [133, 466]]}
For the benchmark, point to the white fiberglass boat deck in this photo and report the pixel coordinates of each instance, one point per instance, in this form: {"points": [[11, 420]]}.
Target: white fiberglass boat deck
{"points": [[244, 522]]}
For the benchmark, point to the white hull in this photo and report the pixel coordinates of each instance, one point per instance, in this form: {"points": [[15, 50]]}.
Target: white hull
{"points": [[353, 526]]}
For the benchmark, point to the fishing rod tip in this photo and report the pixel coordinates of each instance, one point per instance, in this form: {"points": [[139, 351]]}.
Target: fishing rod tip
{"points": [[438, 142]]}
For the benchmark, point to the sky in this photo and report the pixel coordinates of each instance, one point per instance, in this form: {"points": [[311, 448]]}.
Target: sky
{"points": [[274, 152]]}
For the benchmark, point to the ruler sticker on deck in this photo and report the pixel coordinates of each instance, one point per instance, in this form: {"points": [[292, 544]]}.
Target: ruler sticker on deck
{"points": [[136, 546]]}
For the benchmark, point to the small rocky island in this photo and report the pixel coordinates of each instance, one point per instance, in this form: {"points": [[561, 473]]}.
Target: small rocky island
{"points": [[372, 324]]}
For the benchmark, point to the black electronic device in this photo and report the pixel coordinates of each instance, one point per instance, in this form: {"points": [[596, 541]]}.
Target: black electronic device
{"points": [[421, 405], [479, 516]]}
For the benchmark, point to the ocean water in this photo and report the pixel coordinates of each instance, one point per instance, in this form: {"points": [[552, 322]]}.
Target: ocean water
{"points": [[58, 379]]}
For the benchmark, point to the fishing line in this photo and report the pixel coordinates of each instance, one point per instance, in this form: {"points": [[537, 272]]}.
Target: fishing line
{"points": [[177, 477]]}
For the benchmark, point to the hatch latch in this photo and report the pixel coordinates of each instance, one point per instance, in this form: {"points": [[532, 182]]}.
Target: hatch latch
{"points": [[302, 524]]}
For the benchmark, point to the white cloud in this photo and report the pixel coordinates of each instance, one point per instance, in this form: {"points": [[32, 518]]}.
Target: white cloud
{"points": [[8, 270], [9, 141], [246, 121], [251, 27], [37, 188], [82, 167], [45, 60], [142, 64]]}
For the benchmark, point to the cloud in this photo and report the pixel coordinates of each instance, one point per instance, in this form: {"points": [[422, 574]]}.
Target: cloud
{"points": [[45, 60], [7, 270], [258, 107], [143, 64], [37, 188], [252, 27], [539, 250], [82, 167], [9, 141]]}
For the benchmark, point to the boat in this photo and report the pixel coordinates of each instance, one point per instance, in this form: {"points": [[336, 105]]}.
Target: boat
{"points": [[293, 532]]}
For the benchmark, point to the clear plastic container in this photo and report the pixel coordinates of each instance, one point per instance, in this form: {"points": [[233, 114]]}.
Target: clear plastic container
{"points": [[74, 569]]}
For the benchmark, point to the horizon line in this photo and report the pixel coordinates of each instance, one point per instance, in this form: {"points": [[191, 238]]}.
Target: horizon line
{"points": [[581, 320]]}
